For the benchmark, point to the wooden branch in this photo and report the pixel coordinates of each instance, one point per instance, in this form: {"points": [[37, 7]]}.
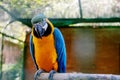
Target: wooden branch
{"points": [[79, 76]]}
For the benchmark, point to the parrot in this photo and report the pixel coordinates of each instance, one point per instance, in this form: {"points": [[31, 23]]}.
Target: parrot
{"points": [[47, 47]]}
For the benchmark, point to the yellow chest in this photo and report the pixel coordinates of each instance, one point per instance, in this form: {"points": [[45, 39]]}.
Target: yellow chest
{"points": [[45, 53]]}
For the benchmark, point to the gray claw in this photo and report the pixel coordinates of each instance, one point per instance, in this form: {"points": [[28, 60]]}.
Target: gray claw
{"points": [[52, 72], [37, 74]]}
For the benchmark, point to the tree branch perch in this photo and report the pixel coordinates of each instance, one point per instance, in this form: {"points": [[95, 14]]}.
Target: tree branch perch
{"points": [[79, 76]]}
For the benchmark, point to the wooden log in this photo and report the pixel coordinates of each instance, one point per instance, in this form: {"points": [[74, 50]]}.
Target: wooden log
{"points": [[79, 76]]}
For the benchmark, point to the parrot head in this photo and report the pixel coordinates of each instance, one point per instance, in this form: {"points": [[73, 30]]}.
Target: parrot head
{"points": [[40, 25]]}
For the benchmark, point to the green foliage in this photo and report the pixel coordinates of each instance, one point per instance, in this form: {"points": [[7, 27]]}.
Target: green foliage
{"points": [[51, 8], [20, 8]]}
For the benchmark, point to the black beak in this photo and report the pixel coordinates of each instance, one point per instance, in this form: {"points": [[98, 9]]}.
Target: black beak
{"points": [[39, 31]]}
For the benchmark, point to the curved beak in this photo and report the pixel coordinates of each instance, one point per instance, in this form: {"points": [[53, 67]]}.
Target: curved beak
{"points": [[39, 31]]}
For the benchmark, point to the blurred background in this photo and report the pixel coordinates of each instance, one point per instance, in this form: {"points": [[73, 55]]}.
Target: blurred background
{"points": [[91, 29]]}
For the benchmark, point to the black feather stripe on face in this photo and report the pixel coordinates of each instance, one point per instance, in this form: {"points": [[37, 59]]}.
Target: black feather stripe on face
{"points": [[35, 33], [48, 31]]}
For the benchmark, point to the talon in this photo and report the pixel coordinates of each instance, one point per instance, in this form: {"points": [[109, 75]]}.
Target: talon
{"points": [[52, 72], [37, 74]]}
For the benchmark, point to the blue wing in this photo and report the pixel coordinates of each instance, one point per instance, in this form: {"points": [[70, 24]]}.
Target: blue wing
{"points": [[61, 50], [32, 51]]}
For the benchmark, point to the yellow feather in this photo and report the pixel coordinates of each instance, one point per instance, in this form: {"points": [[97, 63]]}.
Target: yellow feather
{"points": [[45, 52]]}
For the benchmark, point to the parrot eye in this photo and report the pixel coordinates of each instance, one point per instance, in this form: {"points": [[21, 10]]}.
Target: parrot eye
{"points": [[43, 23]]}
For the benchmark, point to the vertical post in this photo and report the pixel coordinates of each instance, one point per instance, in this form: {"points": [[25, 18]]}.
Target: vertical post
{"points": [[1, 55], [80, 8], [119, 58]]}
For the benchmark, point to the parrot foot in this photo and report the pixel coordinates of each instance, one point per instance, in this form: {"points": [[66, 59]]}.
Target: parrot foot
{"points": [[52, 72], [37, 74]]}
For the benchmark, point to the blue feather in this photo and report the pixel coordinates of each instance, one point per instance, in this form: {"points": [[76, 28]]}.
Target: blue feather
{"points": [[32, 51], [61, 50]]}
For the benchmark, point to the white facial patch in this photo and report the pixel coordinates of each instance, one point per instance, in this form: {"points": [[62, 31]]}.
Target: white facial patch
{"points": [[45, 26]]}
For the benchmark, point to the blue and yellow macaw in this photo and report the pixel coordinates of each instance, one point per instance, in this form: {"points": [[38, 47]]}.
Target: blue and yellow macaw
{"points": [[47, 47]]}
